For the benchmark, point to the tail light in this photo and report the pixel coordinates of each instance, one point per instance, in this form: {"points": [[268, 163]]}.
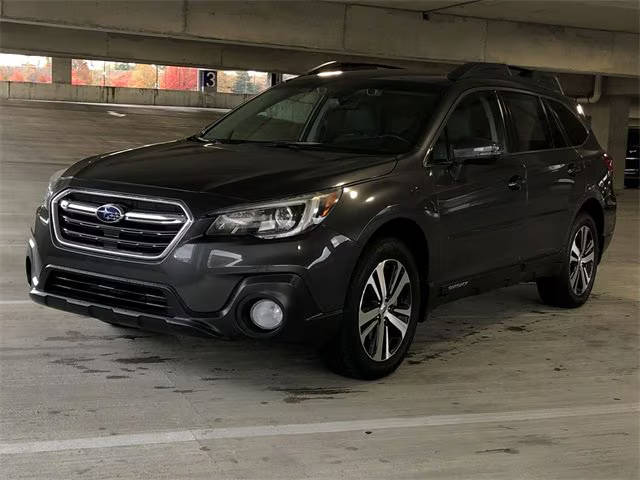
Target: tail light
{"points": [[608, 161]]}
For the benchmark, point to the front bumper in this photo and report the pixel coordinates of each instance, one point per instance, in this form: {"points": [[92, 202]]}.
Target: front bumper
{"points": [[210, 285], [300, 323]]}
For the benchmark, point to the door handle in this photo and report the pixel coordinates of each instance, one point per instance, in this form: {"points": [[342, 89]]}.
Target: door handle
{"points": [[515, 183]]}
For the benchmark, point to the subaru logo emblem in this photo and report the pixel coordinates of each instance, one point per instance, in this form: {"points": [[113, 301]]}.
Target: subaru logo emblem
{"points": [[110, 213]]}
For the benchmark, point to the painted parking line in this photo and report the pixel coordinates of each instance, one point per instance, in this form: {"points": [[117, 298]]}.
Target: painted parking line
{"points": [[154, 438], [15, 302]]}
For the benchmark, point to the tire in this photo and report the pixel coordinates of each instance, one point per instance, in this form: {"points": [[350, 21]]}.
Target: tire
{"points": [[387, 327], [571, 287]]}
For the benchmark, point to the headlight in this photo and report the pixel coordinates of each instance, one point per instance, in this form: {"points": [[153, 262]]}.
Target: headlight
{"points": [[51, 187], [277, 219]]}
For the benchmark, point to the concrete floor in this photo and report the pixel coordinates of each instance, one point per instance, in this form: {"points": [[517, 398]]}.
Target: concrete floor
{"points": [[496, 387]]}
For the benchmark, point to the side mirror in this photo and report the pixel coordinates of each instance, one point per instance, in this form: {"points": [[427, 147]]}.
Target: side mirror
{"points": [[476, 151]]}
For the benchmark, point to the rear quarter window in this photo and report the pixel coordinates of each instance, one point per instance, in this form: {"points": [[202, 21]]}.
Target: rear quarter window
{"points": [[573, 127]]}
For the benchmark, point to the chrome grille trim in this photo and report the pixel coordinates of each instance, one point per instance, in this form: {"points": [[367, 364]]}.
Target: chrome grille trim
{"points": [[144, 221], [141, 217]]}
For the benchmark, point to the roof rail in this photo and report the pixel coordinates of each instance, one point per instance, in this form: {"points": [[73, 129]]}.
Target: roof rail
{"points": [[500, 70], [348, 66]]}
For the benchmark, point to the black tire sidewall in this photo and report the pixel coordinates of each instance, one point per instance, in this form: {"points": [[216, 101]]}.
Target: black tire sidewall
{"points": [[385, 249]]}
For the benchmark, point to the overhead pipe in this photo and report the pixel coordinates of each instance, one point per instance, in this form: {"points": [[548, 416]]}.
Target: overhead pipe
{"points": [[597, 91]]}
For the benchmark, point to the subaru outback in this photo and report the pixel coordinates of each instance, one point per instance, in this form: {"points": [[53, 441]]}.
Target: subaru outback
{"points": [[338, 207]]}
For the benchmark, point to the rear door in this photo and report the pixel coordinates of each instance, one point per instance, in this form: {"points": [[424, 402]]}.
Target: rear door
{"points": [[481, 204], [554, 168]]}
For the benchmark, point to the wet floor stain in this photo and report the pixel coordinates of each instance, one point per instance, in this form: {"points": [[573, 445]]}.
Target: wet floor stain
{"points": [[517, 329], [293, 399], [536, 440], [71, 361], [77, 363], [136, 360], [115, 377], [511, 451], [303, 394], [76, 336], [417, 359]]}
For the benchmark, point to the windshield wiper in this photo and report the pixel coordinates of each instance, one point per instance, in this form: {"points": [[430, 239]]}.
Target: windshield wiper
{"points": [[219, 140], [323, 146], [295, 145]]}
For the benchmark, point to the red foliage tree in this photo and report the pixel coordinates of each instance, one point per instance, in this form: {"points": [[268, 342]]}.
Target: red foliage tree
{"points": [[16, 76], [80, 73], [44, 78], [119, 78], [179, 78]]}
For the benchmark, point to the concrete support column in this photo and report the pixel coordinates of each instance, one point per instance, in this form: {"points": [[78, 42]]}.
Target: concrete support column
{"points": [[610, 122], [61, 70], [274, 79]]}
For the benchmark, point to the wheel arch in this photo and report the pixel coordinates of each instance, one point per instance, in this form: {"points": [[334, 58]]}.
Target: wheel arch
{"points": [[594, 209], [411, 234]]}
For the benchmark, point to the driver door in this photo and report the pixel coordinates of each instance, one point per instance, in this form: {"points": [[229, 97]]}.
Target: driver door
{"points": [[481, 200]]}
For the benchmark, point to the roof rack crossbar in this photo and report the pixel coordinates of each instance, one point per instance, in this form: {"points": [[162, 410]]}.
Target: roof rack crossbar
{"points": [[501, 70], [348, 66]]}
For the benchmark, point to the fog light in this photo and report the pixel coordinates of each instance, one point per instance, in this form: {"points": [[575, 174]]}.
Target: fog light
{"points": [[266, 314]]}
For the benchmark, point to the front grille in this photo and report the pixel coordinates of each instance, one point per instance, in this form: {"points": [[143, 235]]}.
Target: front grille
{"points": [[107, 291], [147, 229]]}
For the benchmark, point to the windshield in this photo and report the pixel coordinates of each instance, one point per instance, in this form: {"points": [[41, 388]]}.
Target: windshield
{"points": [[388, 119]]}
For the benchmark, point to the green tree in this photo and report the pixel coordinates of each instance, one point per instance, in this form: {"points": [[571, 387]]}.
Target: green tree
{"points": [[244, 84]]}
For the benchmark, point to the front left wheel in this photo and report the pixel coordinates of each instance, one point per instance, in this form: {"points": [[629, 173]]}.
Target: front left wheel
{"points": [[381, 313]]}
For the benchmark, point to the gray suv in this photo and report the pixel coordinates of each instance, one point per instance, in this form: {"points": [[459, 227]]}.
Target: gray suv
{"points": [[336, 208]]}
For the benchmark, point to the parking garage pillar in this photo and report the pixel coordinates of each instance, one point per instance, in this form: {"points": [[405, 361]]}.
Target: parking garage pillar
{"points": [[610, 122], [61, 70]]}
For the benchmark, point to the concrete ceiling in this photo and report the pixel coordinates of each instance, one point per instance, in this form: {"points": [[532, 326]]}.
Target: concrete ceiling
{"points": [[612, 15]]}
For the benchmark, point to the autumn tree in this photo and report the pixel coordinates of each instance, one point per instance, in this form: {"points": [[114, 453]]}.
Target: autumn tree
{"points": [[179, 78], [143, 76], [80, 73], [16, 76]]}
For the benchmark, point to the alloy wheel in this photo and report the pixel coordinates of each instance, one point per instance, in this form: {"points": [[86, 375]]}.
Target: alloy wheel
{"points": [[581, 260], [385, 310]]}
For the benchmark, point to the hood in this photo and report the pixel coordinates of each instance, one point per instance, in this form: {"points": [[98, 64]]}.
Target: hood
{"points": [[248, 172]]}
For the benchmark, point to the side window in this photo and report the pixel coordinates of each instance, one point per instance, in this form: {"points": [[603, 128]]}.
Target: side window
{"points": [[574, 128], [528, 122], [476, 122], [559, 140]]}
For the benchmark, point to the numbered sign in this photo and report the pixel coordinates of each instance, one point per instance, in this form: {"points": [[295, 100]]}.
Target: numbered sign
{"points": [[208, 79]]}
